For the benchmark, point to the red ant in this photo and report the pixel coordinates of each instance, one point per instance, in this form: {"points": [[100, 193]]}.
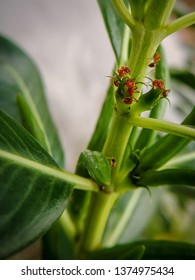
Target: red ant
{"points": [[116, 83], [123, 71], [158, 84], [156, 59], [126, 85], [129, 100], [130, 83], [165, 93]]}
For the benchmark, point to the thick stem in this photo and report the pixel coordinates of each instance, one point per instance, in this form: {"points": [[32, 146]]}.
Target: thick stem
{"points": [[99, 211], [144, 44], [157, 13], [117, 140], [101, 203]]}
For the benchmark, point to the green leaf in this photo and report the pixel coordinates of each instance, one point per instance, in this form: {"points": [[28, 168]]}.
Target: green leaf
{"points": [[33, 191], [114, 25], [154, 250], [30, 122], [19, 75], [90, 164], [168, 177], [135, 253], [57, 245], [100, 133], [183, 76], [183, 191], [131, 207], [96, 165], [164, 149]]}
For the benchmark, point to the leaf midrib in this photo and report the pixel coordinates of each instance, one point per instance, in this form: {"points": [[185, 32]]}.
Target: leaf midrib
{"points": [[77, 181]]}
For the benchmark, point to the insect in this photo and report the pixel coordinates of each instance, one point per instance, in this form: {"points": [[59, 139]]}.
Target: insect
{"points": [[116, 83], [165, 93], [158, 84], [129, 100], [156, 59], [113, 162], [123, 71], [126, 85]]}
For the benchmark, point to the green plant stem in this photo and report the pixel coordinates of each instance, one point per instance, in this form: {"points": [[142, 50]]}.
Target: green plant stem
{"points": [[101, 203], [68, 225], [125, 46], [117, 140], [181, 23], [164, 126], [124, 13], [99, 211], [144, 45], [157, 13]]}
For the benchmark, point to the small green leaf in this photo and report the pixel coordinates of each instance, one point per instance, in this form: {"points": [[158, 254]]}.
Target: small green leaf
{"points": [[30, 122], [164, 149], [97, 165], [168, 177], [33, 192], [154, 250], [114, 25], [19, 75]]}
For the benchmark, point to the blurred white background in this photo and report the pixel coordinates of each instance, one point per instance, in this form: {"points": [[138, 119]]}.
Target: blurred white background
{"points": [[68, 42]]}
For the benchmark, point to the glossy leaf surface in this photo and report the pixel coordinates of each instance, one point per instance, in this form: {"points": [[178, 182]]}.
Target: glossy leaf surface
{"points": [[19, 75], [32, 192]]}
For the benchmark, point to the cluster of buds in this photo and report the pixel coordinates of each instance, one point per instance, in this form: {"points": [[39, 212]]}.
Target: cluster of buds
{"points": [[126, 85]]}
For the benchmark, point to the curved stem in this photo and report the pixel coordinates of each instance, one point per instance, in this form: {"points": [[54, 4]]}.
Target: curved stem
{"points": [[124, 13], [164, 126], [68, 225], [181, 23]]}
